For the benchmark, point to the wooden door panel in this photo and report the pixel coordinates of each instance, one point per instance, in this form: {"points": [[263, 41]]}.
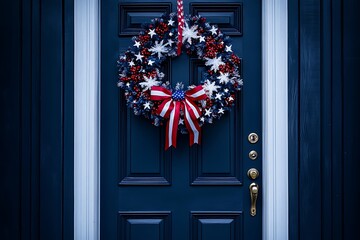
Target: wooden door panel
{"points": [[216, 225], [214, 165], [135, 168], [132, 15], [144, 225], [228, 16], [198, 192]]}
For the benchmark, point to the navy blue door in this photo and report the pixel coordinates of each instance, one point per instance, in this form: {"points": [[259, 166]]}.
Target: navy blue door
{"points": [[199, 192]]}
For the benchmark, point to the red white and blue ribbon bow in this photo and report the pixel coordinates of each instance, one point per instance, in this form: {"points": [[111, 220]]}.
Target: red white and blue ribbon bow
{"points": [[170, 108]]}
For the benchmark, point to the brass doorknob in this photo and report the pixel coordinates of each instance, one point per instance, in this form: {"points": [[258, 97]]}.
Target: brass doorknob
{"points": [[253, 173], [254, 192]]}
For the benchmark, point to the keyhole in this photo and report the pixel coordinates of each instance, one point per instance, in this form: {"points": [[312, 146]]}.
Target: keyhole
{"points": [[253, 138]]}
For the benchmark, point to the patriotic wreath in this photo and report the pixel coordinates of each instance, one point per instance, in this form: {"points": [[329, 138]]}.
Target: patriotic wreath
{"points": [[148, 93]]}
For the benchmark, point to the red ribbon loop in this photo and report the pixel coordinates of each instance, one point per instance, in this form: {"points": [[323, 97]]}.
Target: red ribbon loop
{"points": [[169, 108]]}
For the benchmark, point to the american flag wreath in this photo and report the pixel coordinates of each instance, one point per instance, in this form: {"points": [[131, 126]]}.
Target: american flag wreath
{"points": [[184, 110]]}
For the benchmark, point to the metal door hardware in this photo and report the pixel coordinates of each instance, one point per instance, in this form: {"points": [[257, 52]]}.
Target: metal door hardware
{"points": [[253, 138], [253, 155], [254, 191], [253, 173]]}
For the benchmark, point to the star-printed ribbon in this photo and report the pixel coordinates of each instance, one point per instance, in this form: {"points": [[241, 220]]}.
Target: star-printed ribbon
{"points": [[170, 107], [180, 15]]}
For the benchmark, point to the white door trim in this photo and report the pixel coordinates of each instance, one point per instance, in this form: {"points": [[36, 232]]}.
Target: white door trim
{"points": [[275, 118], [87, 120]]}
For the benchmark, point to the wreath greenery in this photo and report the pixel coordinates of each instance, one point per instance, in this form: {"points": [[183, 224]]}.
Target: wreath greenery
{"points": [[140, 69]]}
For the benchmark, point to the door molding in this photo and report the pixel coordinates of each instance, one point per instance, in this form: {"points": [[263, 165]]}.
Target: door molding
{"points": [[87, 119], [275, 118]]}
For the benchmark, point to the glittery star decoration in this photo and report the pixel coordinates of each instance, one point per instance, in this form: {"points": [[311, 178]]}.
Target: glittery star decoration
{"points": [[228, 48], [171, 22], [213, 30], [149, 82], [169, 42], [218, 96], [189, 33], [152, 32], [137, 44], [139, 57], [221, 111], [150, 62], [214, 63], [208, 112], [210, 87], [159, 49], [146, 105], [131, 64], [224, 78], [202, 39]]}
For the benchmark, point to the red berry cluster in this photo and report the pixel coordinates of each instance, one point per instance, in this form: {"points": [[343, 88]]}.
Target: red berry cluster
{"points": [[144, 38], [228, 67], [235, 59], [161, 29], [212, 47]]}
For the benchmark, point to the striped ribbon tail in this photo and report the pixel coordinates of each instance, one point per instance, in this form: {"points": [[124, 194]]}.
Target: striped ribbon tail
{"points": [[193, 112], [180, 15]]}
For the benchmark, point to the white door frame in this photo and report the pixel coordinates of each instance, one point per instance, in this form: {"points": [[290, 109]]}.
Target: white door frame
{"points": [[87, 120], [275, 118]]}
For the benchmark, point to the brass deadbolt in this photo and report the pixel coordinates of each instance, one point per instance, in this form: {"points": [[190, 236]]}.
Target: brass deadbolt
{"points": [[253, 173], [253, 138]]}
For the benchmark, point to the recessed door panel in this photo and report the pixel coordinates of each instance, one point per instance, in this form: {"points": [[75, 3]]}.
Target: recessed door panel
{"points": [[228, 16], [216, 225], [144, 225]]}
